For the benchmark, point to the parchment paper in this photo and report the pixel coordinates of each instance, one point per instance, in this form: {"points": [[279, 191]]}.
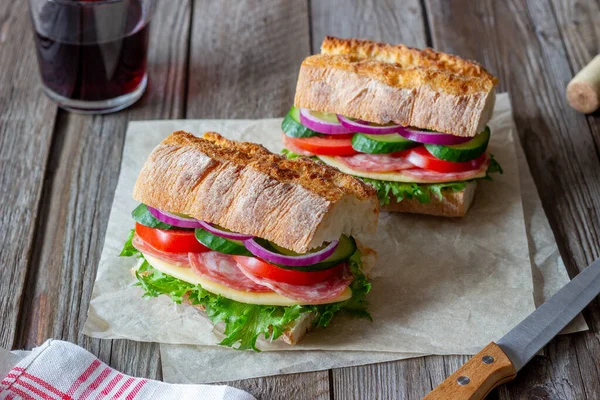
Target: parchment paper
{"points": [[204, 364], [442, 286]]}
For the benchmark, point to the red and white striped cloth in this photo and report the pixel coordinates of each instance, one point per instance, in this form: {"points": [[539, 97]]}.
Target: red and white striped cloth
{"points": [[63, 371]]}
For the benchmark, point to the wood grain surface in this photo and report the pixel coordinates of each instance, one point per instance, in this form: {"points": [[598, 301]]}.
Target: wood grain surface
{"points": [[26, 123], [80, 183], [523, 46], [240, 59]]}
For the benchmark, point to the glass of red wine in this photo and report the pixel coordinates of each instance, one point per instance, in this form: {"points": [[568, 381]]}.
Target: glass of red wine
{"points": [[92, 53]]}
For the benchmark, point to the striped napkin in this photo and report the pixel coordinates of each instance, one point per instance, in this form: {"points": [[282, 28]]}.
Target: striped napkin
{"points": [[62, 370]]}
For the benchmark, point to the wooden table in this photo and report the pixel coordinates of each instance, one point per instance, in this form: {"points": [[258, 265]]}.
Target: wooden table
{"points": [[239, 59]]}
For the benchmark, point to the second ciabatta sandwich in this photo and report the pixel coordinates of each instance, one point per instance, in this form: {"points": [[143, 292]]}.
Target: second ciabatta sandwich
{"points": [[261, 244], [410, 122]]}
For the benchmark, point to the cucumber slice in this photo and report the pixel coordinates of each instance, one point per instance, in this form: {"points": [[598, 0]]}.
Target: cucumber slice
{"points": [[346, 247], [381, 144], [222, 245], [142, 216], [292, 127], [466, 151]]}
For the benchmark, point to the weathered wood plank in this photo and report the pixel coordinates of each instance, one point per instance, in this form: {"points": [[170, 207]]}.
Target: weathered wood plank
{"points": [[245, 56], [390, 380], [306, 386], [388, 22], [83, 172], [244, 60], [26, 122], [580, 33], [521, 43], [165, 99], [385, 21], [579, 28]]}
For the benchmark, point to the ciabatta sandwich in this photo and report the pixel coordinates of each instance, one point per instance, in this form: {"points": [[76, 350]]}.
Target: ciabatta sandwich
{"points": [[410, 122], [261, 244]]}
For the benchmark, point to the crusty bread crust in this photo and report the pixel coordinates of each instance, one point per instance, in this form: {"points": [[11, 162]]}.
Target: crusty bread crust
{"points": [[382, 83], [406, 57], [245, 188], [453, 204]]}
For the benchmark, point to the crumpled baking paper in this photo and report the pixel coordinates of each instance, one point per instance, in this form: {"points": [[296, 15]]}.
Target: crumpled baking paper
{"points": [[202, 364], [441, 286]]}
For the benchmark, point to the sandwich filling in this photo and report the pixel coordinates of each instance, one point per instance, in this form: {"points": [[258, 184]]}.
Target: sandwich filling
{"points": [[252, 286], [400, 162]]}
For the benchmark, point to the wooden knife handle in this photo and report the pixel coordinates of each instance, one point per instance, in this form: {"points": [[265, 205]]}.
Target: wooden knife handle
{"points": [[474, 380]]}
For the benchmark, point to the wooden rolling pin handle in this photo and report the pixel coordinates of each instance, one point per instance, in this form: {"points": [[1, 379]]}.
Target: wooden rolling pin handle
{"points": [[583, 92], [474, 380]]}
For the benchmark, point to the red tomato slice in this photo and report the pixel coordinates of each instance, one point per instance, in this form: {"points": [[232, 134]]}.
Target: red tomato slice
{"points": [[422, 158], [327, 145], [170, 241], [275, 273]]}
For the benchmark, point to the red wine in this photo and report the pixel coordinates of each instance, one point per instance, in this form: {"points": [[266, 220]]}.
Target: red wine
{"points": [[92, 55]]}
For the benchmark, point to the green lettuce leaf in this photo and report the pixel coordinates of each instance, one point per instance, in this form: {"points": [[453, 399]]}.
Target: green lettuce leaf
{"points": [[244, 323], [291, 155], [493, 168], [128, 249]]}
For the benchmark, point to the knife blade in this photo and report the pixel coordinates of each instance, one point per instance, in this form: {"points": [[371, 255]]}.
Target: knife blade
{"points": [[533, 333], [499, 362]]}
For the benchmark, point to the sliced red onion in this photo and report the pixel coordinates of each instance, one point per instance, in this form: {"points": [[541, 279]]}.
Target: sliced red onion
{"points": [[292, 261], [174, 220], [365, 127], [432, 137], [222, 233], [320, 125]]}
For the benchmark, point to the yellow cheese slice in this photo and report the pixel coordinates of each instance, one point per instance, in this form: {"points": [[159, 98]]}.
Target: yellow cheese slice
{"points": [[268, 298], [387, 176]]}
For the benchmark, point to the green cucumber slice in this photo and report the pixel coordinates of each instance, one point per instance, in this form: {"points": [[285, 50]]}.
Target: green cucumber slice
{"points": [[292, 127], [142, 216], [346, 247], [381, 144], [466, 151], [222, 245]]}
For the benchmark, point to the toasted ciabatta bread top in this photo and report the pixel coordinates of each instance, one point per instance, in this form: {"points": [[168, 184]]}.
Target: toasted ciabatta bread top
{"points": [[380, 83], [406, 57], [297, 204]]}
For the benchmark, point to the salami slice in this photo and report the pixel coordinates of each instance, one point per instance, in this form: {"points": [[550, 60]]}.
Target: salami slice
{"points": [[223, 269], [287, 143], [179, 259], [376, 162], [317, 293], [432, 176]]}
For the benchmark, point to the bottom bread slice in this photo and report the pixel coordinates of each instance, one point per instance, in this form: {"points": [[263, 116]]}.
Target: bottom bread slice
{"points": [[291, 335], [452, 204]]}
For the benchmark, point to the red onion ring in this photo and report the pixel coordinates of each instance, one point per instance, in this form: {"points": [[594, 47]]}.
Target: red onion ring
{"points": [[321, 126], [174, 220], [432, 137], [365, 127], [292, 261], [223, 234]]}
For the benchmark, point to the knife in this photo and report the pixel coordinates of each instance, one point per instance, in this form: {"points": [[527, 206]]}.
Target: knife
{"points": [[499, 362]]}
